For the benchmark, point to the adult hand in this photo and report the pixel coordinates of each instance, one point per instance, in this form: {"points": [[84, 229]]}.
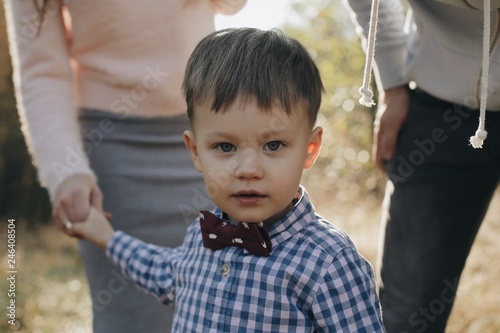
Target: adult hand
{"points": [[391, 115], [73, 199]]}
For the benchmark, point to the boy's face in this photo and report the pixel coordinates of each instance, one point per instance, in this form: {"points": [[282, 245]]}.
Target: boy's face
{"points": [[252, 160]]}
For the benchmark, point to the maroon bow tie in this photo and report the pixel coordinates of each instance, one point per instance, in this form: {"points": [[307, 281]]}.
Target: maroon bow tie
{"points": [[218, 233]]}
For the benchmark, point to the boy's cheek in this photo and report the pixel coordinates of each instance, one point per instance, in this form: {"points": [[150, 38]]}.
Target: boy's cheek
{"points": [[215, 182], [213, 189], [197, 164]]}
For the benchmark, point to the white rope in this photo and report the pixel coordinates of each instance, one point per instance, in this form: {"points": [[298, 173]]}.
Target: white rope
{"points": [[481, 134], [366, 94]]}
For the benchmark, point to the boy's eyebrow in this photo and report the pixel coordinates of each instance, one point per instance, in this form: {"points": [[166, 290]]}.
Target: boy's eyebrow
{"points": [[267, 132], [263, 133], [219, 134]]}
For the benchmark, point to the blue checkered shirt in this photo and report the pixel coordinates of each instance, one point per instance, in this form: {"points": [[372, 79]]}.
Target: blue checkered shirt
{"points": [[314, 281]]}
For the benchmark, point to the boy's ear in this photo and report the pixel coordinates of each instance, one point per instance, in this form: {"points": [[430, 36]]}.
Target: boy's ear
{"points": [[190, 143], [313, 147]]}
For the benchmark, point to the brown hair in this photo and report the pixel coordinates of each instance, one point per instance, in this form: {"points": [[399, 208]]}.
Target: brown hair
{"points": [[250, 62]]}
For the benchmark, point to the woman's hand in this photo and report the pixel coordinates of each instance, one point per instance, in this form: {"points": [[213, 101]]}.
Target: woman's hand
{"points": [[391, 114], [73, 200]]}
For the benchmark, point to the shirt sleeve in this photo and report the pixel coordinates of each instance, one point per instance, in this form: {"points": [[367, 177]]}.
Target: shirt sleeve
{"points": [[151, 267], [390, 46], [45, 93], [346, 300]]}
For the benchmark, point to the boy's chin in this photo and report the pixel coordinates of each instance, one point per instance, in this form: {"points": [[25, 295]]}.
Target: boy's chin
{"points": [[237, 217]]}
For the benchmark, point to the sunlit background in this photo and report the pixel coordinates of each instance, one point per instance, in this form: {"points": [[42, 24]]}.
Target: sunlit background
{"points": [[262, 14], [344, 184]]}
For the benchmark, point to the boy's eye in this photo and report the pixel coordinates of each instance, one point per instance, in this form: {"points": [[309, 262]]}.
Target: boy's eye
{"points": [[225, 147], [273, 145]]}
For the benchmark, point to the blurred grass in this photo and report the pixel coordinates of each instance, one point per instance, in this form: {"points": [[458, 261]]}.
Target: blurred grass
{"points": [[478, 299], [51, 292]]}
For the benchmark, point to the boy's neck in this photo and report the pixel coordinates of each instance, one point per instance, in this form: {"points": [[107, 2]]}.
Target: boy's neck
{"points": [[268, 222], [273, 219]]}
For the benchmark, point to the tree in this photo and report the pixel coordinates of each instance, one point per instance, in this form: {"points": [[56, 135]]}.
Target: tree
{"points": [[346, 169]]}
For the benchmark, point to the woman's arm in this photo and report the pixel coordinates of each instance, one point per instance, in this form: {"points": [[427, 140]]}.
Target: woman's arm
{"points": [[45, 90], [45, 93]]}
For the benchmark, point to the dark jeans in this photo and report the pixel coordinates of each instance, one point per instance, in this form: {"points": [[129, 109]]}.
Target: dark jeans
{"points": [[437, 195]]}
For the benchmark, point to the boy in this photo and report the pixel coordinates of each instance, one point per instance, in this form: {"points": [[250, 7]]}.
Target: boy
{"points": [[262, 261]]}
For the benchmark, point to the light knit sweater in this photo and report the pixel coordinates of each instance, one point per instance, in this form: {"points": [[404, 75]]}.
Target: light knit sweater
{"points": [[120, 56], [439, 47], [449, 48]]}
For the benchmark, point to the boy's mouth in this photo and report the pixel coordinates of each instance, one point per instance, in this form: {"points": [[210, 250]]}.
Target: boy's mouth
{"points": [[249, 196]]}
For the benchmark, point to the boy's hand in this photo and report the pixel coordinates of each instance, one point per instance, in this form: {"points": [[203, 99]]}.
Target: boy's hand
{"points": [[96, 228]]}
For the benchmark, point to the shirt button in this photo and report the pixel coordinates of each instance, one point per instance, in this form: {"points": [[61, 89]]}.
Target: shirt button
{"points": [[225, 269]]}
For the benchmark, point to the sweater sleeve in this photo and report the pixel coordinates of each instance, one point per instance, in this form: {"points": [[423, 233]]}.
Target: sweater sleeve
{"points": [[390, 39], [45, 94], [476, 4], [228, 7]]}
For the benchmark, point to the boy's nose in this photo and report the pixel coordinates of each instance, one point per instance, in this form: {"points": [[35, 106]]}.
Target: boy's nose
{"points": [[249, 166]]}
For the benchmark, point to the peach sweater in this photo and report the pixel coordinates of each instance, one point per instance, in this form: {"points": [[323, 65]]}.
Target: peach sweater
{"points": [[120, 56]]}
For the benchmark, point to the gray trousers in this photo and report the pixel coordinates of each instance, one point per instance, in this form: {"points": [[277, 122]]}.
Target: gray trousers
{"points": [[153, 192], [437, 195]]}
